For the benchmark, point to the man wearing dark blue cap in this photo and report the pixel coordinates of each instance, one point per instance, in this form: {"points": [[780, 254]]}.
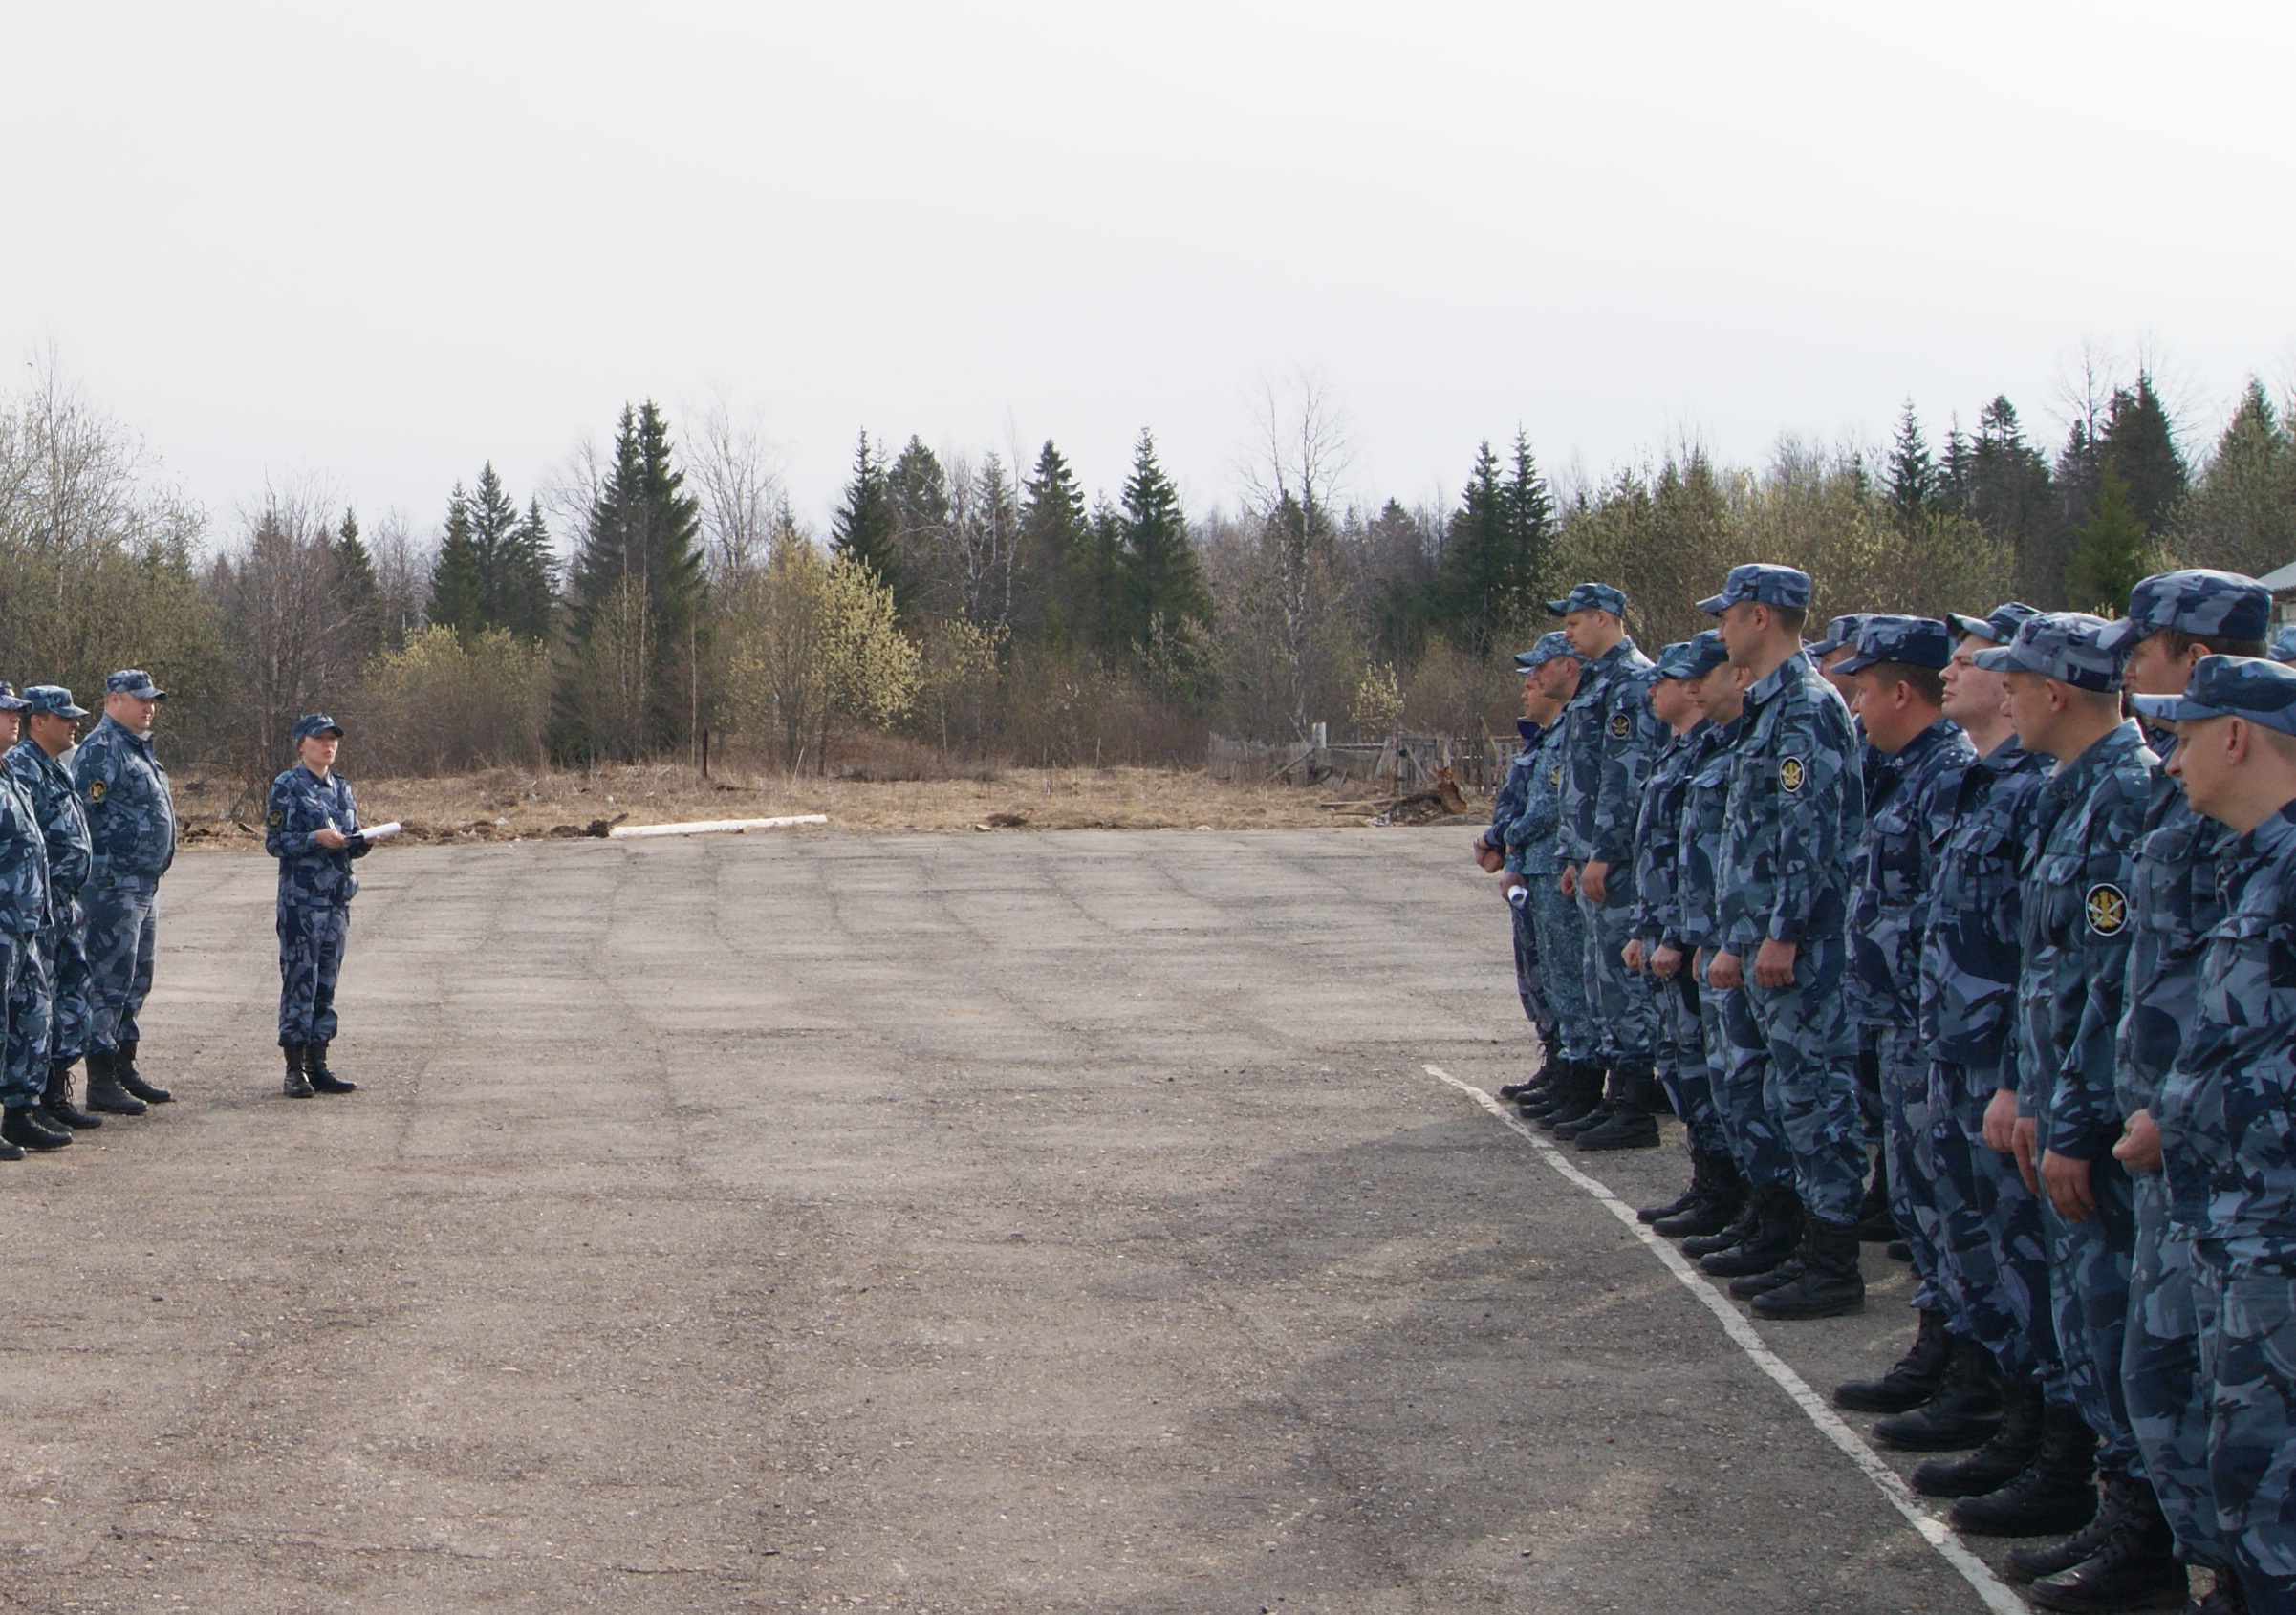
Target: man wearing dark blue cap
{"points": [[131, 827], [2175, 620], [1794, 810], [57, 973], [1534, 865], [24, 915], [2226, 1112], [1609, 739], [1538, 716], [2064, 702], [1895, 672], [1992, 1249], [1657, 945], [310, 824]]}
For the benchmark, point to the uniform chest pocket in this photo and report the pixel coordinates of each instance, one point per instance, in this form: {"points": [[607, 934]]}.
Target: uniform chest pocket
{"points": [[2059, 879]]}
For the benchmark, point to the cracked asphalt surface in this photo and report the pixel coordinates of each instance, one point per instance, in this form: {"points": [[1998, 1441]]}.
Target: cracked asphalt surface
{"points": [[1019, 1222]]}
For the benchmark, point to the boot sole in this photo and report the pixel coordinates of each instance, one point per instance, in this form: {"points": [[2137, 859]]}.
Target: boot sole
{"points": [[1975, 1489], [1882, 1407], [1944, 1442], [1640, 1141], [2050, 1525], [2173, 1594], [1803, 1314]]}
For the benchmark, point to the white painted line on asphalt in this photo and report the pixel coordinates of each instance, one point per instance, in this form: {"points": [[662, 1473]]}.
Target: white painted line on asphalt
{"points": [[1974, 1570], [713, 826]]}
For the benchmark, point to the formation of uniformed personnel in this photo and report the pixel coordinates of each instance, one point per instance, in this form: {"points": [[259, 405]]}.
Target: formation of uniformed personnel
{"points": [[310, 824], [2067, 960], [47, 1021]]}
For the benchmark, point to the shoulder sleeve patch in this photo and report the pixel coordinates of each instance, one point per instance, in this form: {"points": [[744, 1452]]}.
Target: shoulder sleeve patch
{"points": [[1793, 775], [96, 789], [1621, 725], [278, 817], [2108, 907]]}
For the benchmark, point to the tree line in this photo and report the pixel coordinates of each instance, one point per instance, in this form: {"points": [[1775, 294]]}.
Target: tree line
{"points": [[967, 606]]}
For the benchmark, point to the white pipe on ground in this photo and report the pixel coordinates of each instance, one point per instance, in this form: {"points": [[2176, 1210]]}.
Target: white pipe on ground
{"points": [[714, 827]]}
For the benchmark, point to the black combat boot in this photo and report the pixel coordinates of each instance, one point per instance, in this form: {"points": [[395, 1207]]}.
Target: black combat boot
{"points": [[24, 1127], [2134, 1568], [1747, 1285], [1701, 1185], [314, 1065], [1577, 1089], [1541, 1080], [1829, 1285], [1575, 1104], [1634, 1124], [1964, 1413], [2056, 1491], [1730, 1235], [1607, 1096], [1876, 1225], [56, 1101], [104, 1093], [2000, 1460], [1777, 1235], [1909, 1381], [1725, 1198], [123, 1068], [297, 1084]]}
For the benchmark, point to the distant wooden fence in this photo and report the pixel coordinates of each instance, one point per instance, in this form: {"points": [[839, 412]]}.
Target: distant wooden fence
{"points": [[1401, 762]]}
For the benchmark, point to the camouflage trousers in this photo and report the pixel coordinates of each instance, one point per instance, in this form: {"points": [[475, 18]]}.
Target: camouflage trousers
{"points": [[1682, 1063], [310, 956], [1735, 1060], [1873, 1107], [1810, 1087], [2166, 1393], [68, 971], [1560, 937], [1911, 1149], [1625, 1015], [122, 936], [2089, 1292], [1992, 1251], [2249, 1358], [1528, 985], [31, 1022]]}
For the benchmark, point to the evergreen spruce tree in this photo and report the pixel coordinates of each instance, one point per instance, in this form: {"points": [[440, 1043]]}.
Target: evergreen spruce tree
{"points": [[458, 585], [2241, 512], [1911, 482], [631, 687], [862, 530], [362, 597], [2138, 447], [2112, 551], [525, 578], [1060, 604], [1165, 606], [1529, 520], [1486, 583], [2013, 500], [493, 525]]}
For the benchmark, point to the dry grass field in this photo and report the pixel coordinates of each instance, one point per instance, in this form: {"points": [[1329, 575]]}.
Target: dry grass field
{"points": [[512, 805]]}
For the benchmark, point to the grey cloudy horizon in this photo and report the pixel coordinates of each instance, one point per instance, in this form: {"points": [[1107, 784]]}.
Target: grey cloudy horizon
{"points": [[377, 249]]}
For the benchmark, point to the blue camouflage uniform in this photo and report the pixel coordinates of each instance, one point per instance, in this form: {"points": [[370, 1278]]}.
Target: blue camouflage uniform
{"points": [[2069, 999], [1608, 738], [58, 962], [2283, 645], [1841, 631], [24, 915], [2227, 1116], [1906, 819], [316, 889], [132, 834], [1791, 829], [2176, 900], [1657, 916], [1505, 808], [1559, 928]]}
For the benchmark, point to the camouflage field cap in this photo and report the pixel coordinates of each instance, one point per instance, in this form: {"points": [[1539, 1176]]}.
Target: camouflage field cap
{"points": [[52, 699], [133, 681], [2197, 601], [1841, 631], [2284, 644], [2066, 646], [9, 700], [1762, 585], [1590, 597], [1997, 626], [1917, 641], [1548, 647], [2261, 690], [316, 723], [1693, 658]]}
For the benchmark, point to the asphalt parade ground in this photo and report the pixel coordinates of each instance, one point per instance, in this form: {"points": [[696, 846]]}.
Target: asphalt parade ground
{"points": [[998, 1223]]}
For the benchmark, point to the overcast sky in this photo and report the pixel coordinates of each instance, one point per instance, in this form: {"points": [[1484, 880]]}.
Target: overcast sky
{"points": [[380, 244]]}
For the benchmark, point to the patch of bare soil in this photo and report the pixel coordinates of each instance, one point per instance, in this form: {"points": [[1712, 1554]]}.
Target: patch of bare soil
{"points": [[514, 804]]}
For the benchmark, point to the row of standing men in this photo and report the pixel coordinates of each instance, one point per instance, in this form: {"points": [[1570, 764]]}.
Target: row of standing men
{"points": [[1926, 884]]}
